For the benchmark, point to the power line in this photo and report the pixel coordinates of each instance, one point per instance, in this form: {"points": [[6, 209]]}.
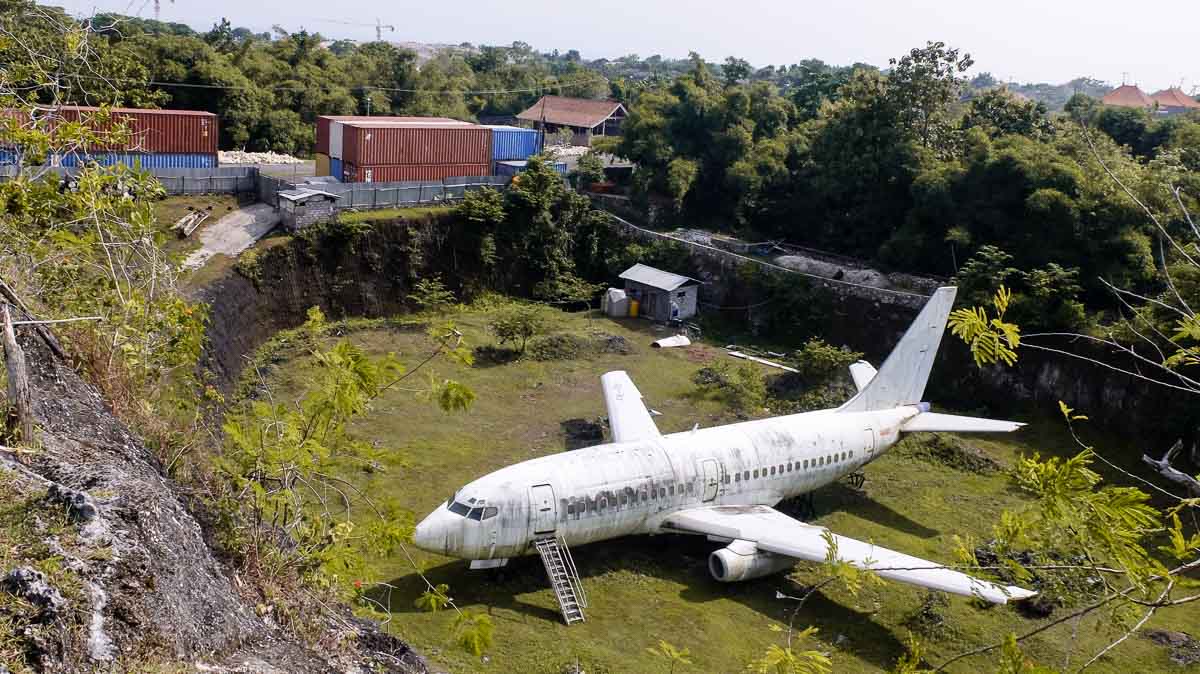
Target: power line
{"points": [[231, 87]]}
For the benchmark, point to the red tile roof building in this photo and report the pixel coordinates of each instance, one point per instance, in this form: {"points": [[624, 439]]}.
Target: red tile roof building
{"points": [[1174, 99], [585, 116], [1128, 96]]}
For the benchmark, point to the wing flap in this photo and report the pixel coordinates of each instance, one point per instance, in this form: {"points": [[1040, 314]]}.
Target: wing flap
{"points": [[627, 414], [772, 531]]}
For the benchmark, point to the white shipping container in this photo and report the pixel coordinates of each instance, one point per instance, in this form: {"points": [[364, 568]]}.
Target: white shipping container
{"points": [[335, 140]]}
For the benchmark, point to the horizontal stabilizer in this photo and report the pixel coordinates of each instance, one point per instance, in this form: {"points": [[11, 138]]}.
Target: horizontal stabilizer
{"points": [[952, 423], [862, 373], [627, 413]]}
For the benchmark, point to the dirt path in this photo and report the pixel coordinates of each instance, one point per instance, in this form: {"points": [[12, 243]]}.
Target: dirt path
{"points": [[233, 233]]}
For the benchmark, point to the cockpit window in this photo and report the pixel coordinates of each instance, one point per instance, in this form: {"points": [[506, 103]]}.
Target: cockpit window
{"points": [[475, 514], [490, 512], [458, 508]]}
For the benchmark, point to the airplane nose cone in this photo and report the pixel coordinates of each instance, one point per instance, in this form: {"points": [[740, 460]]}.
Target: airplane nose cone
{"points": [[430, 534]]}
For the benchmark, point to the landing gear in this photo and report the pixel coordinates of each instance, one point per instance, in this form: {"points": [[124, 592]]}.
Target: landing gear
{"points": [[857, 479]]}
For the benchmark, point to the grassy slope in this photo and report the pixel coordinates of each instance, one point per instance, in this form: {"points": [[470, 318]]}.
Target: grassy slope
{"points": [[646, 589]]}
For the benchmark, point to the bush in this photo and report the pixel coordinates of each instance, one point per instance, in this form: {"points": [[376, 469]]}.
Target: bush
{"points": [[518, 324], [818, 360], [740, 385], [558, 347]]}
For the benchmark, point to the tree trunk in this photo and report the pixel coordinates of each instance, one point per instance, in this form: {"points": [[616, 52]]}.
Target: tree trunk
{"points": [[1164, 468], [18, 380]]}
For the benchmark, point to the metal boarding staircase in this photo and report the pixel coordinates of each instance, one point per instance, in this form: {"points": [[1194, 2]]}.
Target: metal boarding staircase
{"points": [[564, 578]]}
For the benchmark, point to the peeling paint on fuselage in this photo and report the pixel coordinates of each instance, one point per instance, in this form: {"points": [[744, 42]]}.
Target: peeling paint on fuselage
{"points": [[622, 489]]}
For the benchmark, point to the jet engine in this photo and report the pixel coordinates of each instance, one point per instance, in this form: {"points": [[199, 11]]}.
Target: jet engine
{"points": [[741, 560]]}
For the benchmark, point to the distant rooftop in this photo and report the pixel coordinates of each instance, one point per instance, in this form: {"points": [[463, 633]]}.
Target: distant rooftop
{"points": [[579, 112], [1128, 96], [655, 278], [1175, 98]]}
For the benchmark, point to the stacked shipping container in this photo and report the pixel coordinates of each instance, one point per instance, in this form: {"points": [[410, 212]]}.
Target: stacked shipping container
{"points": [[332, 131], [156, 138], [385, 149]]}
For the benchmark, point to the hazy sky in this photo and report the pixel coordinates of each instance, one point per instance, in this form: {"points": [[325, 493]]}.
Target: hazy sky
{"points": [[1026, 40]]}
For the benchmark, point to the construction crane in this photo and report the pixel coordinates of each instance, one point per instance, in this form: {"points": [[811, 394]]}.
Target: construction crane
{"points": [[378, 25]]}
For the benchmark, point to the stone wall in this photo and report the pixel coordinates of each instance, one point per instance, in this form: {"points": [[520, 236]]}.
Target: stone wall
{"points": [[371, 275], [872, 320]]}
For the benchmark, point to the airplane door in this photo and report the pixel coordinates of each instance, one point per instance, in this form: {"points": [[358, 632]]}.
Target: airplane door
{"points": [[712, 478], [542, 509], [869, 441]]}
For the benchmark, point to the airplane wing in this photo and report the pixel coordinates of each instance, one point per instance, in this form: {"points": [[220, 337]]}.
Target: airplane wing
{"points": [[627, 414], [772, 531]]}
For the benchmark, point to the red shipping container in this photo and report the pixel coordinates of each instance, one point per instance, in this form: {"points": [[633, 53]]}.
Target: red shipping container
{"points": [[324, 120], [404, 172], [159, 131], [370, 144], [155, 131]]}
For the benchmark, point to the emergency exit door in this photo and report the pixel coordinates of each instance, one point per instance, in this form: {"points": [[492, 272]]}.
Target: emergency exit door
{"points": [[543, 509]]}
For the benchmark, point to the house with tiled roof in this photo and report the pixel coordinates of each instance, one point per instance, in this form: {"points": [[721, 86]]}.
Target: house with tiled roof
{"points": [[1174, 101], [585, 117], [1128, 96]]}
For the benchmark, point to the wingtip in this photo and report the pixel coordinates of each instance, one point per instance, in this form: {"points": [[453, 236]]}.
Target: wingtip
{"points": [[1019, 593]]}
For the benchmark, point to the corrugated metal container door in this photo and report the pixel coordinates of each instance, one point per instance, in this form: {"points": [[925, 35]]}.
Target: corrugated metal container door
{"points": [[322, 135], [336, 134], [512, 142], [322, 165], [401, 172], [371, 145], [335, 168]]}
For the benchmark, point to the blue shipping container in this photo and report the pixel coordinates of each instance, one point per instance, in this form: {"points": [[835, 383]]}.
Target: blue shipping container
{"points": [[335, 169], [512, 168], [7, 157], [512, 142], [143, 160]]}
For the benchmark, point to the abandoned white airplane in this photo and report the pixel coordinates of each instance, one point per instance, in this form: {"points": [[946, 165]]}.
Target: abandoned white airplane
{"points": [[717, 482]]}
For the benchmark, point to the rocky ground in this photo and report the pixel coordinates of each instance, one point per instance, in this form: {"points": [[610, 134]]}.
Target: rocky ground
{"points": [[139, 583]]}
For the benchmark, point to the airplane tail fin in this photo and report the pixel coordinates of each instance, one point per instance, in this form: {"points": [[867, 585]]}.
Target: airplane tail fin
{"points": [[902, 377]]}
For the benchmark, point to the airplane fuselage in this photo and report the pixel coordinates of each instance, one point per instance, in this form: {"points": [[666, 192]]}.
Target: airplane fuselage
{"points": [[621, 489]]}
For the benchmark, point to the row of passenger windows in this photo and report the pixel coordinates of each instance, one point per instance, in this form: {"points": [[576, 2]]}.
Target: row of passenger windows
{"points": [[626, 497], [792, 466]]}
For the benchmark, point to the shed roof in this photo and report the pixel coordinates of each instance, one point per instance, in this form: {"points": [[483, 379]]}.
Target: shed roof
{"points": [[655, 278], [1128, 96], [583, 112], [1175, 98], [304, 193]]}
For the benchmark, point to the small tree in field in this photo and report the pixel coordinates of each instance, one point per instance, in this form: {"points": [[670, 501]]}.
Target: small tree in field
{"points": [[518, 325]]}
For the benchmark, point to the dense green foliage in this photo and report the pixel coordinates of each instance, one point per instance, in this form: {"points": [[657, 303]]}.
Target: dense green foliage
{"points": [[899, 169]]}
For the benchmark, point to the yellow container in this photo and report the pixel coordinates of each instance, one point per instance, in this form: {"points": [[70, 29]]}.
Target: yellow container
{"points": [[633, 308], [323, 166]]}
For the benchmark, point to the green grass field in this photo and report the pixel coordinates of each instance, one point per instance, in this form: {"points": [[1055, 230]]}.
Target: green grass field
{"points": [[645, 589]]}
